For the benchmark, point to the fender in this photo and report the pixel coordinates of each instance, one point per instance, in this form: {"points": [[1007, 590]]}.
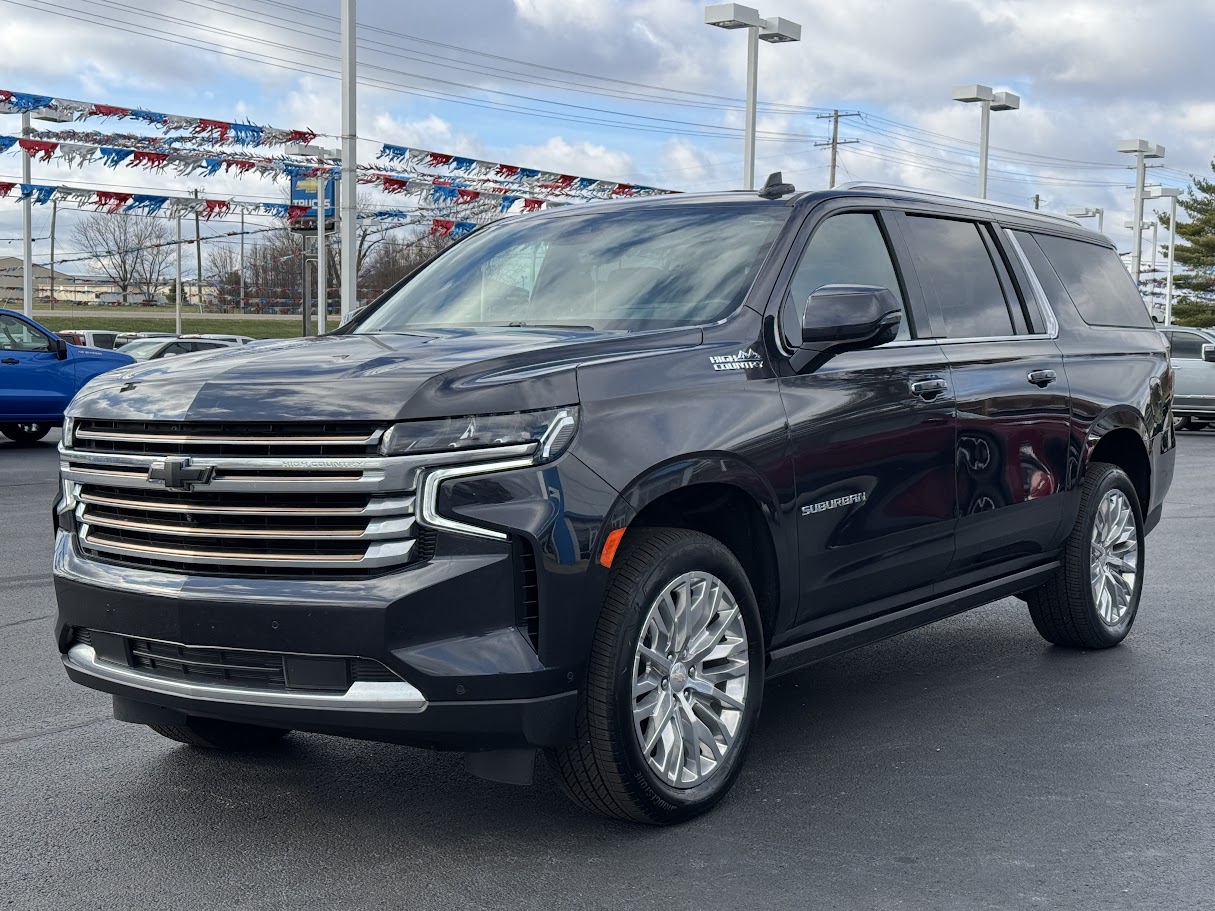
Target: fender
{"points": [[694, 469]]}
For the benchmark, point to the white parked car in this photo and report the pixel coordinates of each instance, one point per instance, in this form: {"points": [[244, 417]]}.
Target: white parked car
{"points": [[89, 338], [1192, 352], [150, 349]]}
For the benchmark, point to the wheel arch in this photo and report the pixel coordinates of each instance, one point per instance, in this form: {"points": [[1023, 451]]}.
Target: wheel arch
{"points": [[1120, 437], [727, 499]]}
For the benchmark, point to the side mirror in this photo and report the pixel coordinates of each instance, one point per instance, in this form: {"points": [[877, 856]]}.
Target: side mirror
{"points": [[60, 347], [1208, 353], [852, 316]]}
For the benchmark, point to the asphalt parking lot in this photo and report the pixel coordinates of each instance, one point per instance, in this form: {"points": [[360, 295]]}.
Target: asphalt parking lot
{"points": [[967, 765]]}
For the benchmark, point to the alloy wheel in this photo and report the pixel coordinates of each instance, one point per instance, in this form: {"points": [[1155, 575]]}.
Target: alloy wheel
{"points": [[689, 682], [1114, 564]]}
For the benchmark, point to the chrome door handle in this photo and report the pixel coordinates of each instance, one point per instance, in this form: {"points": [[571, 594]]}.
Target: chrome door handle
{"points": [[929, 388], [1042, 378]]}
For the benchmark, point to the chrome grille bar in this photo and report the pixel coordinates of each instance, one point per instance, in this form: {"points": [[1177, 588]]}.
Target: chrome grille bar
{"points": [[302, 512]]}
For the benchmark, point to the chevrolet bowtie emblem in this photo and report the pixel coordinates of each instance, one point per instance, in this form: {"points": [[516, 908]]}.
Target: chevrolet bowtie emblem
{"points": [[179, 474]]}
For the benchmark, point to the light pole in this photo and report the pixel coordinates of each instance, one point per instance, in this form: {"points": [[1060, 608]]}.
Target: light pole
{"points": [[774, 31], [988, 101], [1090, 213], [1142, 150], [1143, 226], [27, 212], [348, 240], [1171, 193]]}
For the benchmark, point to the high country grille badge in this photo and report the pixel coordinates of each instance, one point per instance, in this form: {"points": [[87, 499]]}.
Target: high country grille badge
{"points": [[744, 360], [834, 503]]}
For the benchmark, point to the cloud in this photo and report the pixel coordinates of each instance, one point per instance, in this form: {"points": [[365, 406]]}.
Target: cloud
{"points": [[583, 159]]}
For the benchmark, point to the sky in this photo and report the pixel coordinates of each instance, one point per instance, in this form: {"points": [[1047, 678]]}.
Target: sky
{"points": [[644, 92]]}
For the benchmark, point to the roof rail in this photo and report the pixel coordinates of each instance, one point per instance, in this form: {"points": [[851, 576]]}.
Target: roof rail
{"points": [[936, 194]]}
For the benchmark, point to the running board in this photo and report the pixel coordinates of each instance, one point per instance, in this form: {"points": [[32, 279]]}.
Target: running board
{"points": [[792, 657]]}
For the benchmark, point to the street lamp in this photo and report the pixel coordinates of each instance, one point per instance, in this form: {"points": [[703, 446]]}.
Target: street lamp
{"points": [[1171, 193], [774, 31], [1141, 149], [1090, 213], [988, 101], [1143, 226]]}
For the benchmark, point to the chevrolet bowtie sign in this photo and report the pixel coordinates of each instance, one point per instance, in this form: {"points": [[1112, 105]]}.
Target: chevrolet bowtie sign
{"points": [[179, 474]]}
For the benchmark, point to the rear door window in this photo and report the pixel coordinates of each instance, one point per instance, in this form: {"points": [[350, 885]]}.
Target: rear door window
{"points": [[1096, 281], [954, 263]]}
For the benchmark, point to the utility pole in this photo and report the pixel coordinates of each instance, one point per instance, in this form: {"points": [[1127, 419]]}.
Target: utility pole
{"points": [[54, 211], [835, 141], [177, 288], [198, 254], [27, 229], [1037, 201], [348, 240], [241, 306]]}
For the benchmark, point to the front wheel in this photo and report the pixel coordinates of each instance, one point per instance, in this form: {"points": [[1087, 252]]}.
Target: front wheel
{"points": [[1092, 600], [25, 433], [674, 683]]}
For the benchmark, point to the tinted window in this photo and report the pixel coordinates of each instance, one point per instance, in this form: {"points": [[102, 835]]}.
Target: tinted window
{"points": [[1096, 281], [846, 250], [1187, 344], [175, 349], [104, 339], [618, 267], [17, 335], [953, 262]]}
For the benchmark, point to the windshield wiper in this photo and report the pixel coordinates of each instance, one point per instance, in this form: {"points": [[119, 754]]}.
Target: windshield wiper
{"points": [[520, 324]]}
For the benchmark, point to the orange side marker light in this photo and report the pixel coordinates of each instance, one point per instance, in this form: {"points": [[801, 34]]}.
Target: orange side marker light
{"points": [[609, 547]]}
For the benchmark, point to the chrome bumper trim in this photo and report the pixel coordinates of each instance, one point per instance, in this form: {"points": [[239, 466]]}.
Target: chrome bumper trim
{"points": [[398, 697]]}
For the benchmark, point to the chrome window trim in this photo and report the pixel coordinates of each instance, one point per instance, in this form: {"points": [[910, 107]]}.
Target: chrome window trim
{"points": [[390, 697], [428, 495], [1039, 293]]}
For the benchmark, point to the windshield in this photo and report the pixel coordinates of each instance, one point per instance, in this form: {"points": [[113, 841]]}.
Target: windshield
{"points": [[627, 268], [143, 348]]}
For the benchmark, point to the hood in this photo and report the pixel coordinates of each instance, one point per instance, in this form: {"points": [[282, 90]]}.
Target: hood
{"points": [[390, 376], [111, 359]]}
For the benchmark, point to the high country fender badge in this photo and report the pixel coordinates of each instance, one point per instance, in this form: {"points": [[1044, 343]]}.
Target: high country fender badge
{"points": [[744, 360], [834, 503]]}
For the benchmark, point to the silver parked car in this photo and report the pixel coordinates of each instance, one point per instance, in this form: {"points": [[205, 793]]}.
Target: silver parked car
{"points": [[1193, 358]]}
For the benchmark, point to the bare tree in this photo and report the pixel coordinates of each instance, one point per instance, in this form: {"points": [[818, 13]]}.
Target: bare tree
{"points": [[127, 248], [395, 257]]}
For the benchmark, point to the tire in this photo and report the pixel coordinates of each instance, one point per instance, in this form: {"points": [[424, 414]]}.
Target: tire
{"points": [[1181, 423], [211, 734], [25, 434], [1065, 609], [607, 769]]}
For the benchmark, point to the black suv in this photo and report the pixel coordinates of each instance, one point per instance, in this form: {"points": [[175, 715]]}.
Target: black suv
{"points": [[586, 479]]}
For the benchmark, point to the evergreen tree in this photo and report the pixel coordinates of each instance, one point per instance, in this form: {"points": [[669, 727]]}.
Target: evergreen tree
{"points": [[1197, 254]]}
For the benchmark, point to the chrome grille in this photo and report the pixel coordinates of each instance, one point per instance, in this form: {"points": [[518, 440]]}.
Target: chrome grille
{"points": [[227, 439], [330, 507]]}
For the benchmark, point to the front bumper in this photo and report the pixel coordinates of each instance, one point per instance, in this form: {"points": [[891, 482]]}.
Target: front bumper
{"points": [[469, 679]]}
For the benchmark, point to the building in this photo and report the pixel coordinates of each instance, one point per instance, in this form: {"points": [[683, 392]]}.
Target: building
{"points": [[69, 289]]}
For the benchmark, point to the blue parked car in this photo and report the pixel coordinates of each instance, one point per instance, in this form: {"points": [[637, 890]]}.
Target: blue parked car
{"points": [[39, 374]]}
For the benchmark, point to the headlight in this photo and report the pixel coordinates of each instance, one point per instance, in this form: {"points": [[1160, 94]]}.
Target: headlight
{"points": [[551, 429], [68, 431]]}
